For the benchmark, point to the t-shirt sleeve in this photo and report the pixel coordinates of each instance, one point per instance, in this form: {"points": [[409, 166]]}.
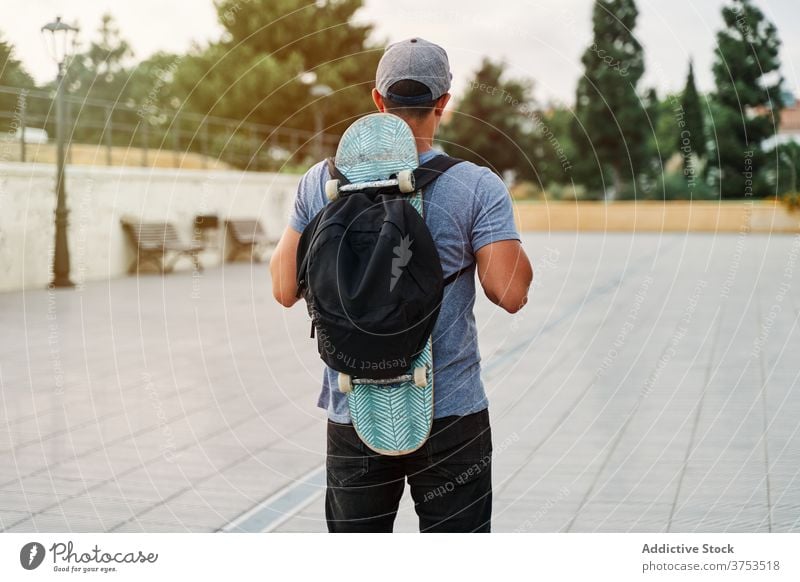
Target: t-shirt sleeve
{"points": [[302, 210], [494, 213]]}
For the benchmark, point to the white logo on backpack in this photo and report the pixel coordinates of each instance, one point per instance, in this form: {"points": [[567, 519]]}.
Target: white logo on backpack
{"points": [[402, 254]]}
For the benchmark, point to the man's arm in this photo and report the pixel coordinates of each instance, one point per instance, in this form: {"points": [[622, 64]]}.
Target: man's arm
{"points": [[283, 268], [505, 274]]}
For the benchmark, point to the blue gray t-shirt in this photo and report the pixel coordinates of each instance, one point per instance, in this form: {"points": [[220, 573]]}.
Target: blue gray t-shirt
{"points": [[467, 208]]}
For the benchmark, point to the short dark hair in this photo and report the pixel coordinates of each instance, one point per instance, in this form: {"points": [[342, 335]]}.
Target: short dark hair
{"points": [[409, 88]]}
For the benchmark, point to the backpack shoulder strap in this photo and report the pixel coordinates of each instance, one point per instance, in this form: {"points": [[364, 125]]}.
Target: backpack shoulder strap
{"points": [[334, 172], [424, 176], [452, 277], [428, 172]]}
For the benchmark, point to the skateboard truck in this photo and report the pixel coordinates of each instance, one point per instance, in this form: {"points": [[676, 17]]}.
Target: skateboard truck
{"points": [[419, 377], [404, 181]]}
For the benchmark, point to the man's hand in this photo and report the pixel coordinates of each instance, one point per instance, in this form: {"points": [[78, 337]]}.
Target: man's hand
{"points": [[505, 273], [283, 268]]}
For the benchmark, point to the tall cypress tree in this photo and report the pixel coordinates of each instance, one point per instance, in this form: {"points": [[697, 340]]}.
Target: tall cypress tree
{"points": [[691, 141], [612, 126], [747, 99]]}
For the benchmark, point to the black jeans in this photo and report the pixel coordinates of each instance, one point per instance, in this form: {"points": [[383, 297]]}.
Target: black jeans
{"points": [[450, 478]]}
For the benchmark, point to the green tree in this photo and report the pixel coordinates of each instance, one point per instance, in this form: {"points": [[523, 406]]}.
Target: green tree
{"points": [[656, 150], [152, 86], [747, 99], [491, 123], [12, 74], [783, 174], [694, 127], [254, 72], [664, 139], [107, 54], [101, 70], [611, 129], [691, 139], [550, 147]]}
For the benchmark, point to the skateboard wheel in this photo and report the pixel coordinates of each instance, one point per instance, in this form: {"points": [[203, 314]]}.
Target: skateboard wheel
{"points": [[421, 376], [332, 189], [405, 181], [345, 383]]}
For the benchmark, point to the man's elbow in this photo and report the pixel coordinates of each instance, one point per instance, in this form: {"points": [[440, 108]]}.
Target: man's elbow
{"points": [[511, 300], [284, 294], [515, 295], [512, 303], [285, 299]]}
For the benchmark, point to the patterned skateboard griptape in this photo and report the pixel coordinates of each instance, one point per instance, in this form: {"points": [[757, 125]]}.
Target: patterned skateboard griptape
{"points": [[394, 419]]}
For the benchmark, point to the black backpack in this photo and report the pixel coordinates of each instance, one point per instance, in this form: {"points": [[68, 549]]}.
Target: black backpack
{"points": [[372, 278]]}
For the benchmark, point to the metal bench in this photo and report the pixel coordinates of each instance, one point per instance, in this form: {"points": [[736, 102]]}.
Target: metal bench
{"points": [[158, 243], [248, 236]]}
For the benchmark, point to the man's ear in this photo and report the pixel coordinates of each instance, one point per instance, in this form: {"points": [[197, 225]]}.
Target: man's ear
{"points": [[441, 103], [378, 99]]}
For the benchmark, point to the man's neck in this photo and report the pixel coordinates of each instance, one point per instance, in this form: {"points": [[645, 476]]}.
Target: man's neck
{"points": [[424, 145], [423, 135]]}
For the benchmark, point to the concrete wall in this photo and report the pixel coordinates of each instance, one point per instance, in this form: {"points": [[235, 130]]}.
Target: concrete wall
{"points": [[97, 198], [650, 216]]}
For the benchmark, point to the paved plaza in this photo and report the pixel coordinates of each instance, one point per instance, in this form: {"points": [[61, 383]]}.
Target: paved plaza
{"points": [[651, 384]]}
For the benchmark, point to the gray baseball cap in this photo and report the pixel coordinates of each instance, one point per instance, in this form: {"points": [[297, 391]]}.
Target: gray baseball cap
{"points": [[418, 60]]}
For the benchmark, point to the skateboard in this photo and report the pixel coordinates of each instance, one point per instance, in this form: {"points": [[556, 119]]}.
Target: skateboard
{"points": [[394, 416]]}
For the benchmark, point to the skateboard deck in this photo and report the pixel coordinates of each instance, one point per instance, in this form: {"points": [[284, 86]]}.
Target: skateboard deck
{"points": [[396, 418]]}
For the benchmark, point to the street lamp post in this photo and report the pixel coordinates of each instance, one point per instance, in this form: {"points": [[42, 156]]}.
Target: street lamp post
{"points": [[318, 91], [319, 120], [60, 34]]}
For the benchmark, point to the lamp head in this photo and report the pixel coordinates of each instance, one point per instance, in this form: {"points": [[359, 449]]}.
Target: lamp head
{"points": [[59, 37]]}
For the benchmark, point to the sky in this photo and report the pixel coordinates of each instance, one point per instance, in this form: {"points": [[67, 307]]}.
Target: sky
{"points": [[538, 39]]}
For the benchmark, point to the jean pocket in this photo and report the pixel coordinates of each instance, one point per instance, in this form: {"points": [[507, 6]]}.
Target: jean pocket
{"points": [[344, 471], [347, 458], [462, 453]]}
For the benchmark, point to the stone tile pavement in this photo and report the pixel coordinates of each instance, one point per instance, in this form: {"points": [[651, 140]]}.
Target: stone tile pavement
{"points": [[650, 385]]}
